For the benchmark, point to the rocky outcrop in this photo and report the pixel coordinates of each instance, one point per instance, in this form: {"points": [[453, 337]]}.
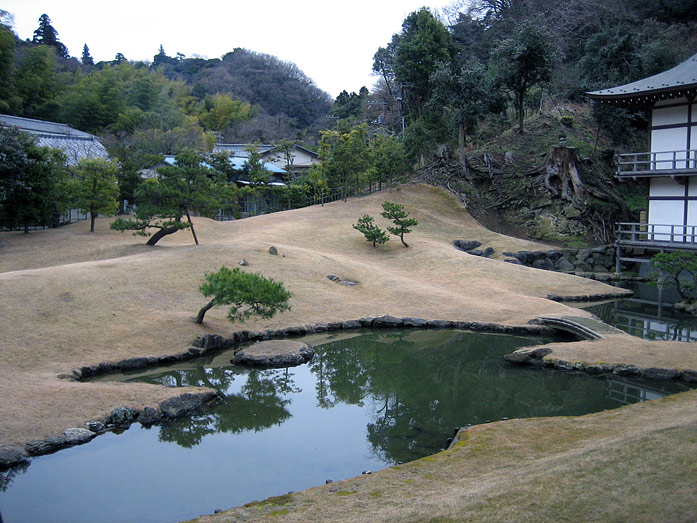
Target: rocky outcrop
{"points": [[598, 259]]}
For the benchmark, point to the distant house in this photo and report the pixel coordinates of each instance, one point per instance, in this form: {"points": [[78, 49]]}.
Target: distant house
{"points": [[302, 158], [670, 164], [250, 204], [75, 144]]}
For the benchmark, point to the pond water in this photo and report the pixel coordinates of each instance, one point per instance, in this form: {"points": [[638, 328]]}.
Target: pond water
{"points": [[366, 401], [648, 314]]}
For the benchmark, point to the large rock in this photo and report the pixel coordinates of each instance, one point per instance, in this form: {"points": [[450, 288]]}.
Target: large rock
{"points": [[465, 245], [175, 407], [77, 436], [44, 446], [11, 455], [122, 416], [388, 322], [275, 353]]}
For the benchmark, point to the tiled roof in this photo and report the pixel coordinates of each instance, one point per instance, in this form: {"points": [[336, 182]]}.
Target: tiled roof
{"points": [[680, 79], [75, 144]]}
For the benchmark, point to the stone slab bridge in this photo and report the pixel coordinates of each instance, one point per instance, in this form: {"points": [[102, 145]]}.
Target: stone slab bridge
{"points": [[585, 328]]}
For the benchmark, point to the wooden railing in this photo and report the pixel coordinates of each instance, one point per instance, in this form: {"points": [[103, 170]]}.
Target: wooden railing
{"points": [[679, 236], [681, 163]]}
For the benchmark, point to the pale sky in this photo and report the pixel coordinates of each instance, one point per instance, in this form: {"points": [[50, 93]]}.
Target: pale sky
{"points": [[332, 42]]}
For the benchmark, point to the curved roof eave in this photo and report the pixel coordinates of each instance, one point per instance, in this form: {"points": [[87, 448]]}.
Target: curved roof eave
{"points": [[679, 79]]}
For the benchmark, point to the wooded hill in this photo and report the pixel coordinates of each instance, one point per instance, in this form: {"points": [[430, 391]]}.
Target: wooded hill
{"points": [[244, 96]]}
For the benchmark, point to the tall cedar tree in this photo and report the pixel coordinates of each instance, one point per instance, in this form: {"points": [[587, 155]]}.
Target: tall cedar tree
{"points": [[45, 34], [86, 59]]}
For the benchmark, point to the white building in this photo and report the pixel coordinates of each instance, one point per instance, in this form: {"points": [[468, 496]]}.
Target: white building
{"points": [[670, 164]]}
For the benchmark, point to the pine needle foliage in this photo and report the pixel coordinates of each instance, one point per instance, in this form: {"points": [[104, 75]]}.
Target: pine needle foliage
{"points": [[248, 294]]}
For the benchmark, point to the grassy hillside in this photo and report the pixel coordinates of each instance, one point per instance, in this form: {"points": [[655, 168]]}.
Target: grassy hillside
{"points": [[70, 298]]}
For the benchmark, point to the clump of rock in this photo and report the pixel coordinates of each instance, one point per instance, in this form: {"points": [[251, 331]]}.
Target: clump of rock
{"points": [[597, 259], [275, 353], [340, 281], [470, 247]]}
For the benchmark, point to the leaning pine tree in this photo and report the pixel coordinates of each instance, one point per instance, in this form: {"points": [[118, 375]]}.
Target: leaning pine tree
{"points": [[248, 294], [400, 218]]}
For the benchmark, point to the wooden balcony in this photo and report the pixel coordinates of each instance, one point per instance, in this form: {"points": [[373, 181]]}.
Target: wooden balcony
{"points": [[663, 163], [657, 236]]}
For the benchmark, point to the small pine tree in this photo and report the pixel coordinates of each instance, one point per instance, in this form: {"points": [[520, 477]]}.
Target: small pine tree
{"points": [[372, 232], [248, 294], [396, 213]]}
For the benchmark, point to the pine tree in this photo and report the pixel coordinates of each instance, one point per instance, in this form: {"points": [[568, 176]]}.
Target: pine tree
{"points": [[47, 35], [372, 232], [86, 56], [396, 213]]}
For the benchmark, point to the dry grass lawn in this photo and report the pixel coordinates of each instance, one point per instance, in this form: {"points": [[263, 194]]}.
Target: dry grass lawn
{"points": [[69, 298]]}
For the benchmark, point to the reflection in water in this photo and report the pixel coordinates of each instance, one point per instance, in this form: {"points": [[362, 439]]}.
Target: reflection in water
{"points": [[367, 400], [648, 314], [416, 387]]}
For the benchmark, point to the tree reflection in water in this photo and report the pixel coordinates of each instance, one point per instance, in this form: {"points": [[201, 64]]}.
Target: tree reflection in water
{"points": [[258, 405], [416, 388]]}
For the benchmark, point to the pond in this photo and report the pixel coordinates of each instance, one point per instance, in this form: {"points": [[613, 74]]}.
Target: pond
{"points": [[648, 314], [367, 400]]}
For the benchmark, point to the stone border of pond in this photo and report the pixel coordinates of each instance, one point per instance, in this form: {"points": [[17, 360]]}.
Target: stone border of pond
{"points": [[534, 356], [118, 418], [211, 343], [123, 417]]}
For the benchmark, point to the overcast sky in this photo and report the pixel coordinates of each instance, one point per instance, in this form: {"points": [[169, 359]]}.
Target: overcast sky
{"points": [[331, 41]]}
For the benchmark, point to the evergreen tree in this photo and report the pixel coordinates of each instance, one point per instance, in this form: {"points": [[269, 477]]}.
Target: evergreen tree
{"points": [[162, 202], [95, 187], [524, 60], [32, 181], [45, 34], [423, 43], [7, 55], [248, 294], [372, 232], [400, 218], [86, 59]]}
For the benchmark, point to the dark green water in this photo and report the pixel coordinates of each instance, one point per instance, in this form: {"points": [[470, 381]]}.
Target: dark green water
{"points": [[367, 400]]}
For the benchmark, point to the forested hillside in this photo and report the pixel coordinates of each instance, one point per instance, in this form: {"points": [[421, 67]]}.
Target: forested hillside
{"points": [[171, 102], [471, 97]]}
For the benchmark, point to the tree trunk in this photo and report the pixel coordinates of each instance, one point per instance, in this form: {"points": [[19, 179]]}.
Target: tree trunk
{"points": [[161, 234], [203, 311], [521, 112], [193, 231], [401, 237], [92, 218], [561, 163], [461, 145]]}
